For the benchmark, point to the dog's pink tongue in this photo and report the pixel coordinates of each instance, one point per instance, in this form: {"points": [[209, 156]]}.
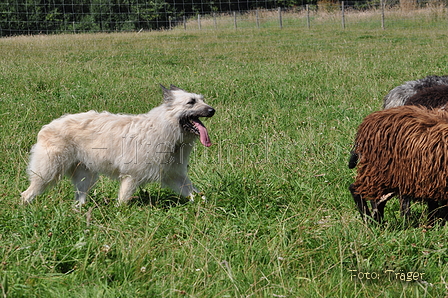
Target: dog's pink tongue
{"points": [[203, 134]]}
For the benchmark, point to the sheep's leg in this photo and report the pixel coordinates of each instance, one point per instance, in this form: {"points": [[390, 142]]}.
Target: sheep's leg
{"points": [[433, 211], [378, 210], [378, 206], [405, 206], [443, 210], [360, 203]]}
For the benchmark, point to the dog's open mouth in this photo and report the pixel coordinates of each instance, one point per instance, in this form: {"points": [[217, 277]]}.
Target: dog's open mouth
{"points": [[195, 126]]}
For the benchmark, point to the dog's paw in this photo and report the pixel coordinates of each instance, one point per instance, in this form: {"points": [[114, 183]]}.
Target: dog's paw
{"points": [[26, 198], [24, 202], [77, 205], [192, 196]]}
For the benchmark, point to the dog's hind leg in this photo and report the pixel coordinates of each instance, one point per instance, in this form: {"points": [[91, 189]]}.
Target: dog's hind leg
{"points": [[83, 179], [44, 169], [37, 187], [127, 188]]}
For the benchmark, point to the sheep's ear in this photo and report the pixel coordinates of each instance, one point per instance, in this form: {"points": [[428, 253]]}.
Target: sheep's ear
{"points": [[166, 93]]}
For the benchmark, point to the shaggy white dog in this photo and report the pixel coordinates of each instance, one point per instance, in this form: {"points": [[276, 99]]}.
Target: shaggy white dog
{"points": [[135, 149]]}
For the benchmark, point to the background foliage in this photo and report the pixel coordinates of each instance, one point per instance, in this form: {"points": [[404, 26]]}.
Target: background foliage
{"points": [[19, 17]]}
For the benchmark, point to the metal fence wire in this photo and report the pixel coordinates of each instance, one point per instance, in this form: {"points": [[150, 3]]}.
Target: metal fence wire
{"points": [[24, 17]]}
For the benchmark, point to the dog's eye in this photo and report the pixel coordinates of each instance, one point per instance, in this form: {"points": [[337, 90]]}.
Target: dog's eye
{"points": [[192, 101]]}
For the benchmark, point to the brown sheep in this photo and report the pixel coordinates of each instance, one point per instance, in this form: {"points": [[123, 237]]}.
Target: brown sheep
{"points": [[402, 151], [430, 92]]}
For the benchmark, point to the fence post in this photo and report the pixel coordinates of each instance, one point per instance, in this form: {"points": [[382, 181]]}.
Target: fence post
{"points": [[308, 16], [199, 21], [185, 23], [382, 14], [214, 20], [343, 15], [257, 18], [280, 21], [234, 19], [169, 22]]}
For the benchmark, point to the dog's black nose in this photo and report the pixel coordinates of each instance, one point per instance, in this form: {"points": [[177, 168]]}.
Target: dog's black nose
{"points": [[211, 112]]}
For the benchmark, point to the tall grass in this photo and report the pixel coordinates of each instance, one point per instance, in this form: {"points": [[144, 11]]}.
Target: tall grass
{"points": [[323, 17], [279, 220]]}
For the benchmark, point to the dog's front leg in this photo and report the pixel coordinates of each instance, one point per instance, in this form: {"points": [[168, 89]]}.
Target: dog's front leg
{"points": [[182, 185], [127, 188]]}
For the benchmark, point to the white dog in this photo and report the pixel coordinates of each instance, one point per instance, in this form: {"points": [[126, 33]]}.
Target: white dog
{"points": [[135, 149]]}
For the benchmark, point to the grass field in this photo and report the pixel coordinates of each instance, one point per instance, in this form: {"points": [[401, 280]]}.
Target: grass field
{"points": [[279, 220]]}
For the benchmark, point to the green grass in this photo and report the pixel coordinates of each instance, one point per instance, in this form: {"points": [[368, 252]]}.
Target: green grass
{"points": [[279, 220]]}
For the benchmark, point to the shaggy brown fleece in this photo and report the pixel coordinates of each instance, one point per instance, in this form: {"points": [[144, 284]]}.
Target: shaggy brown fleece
{"points": [[404, 151]]}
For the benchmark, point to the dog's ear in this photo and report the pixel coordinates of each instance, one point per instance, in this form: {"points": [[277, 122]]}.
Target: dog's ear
{"points": [[166, 93], [172, 87]]}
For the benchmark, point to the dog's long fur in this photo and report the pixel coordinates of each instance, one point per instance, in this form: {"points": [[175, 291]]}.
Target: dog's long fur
{"points": [[136, 149]]}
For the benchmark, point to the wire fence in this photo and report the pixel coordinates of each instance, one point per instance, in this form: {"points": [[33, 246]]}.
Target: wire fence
{"points": [[24, 17]]}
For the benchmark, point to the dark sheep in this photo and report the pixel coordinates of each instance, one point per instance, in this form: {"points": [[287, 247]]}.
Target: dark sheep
{"points": [[401, 151], [399, 95], [431, 97]]}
